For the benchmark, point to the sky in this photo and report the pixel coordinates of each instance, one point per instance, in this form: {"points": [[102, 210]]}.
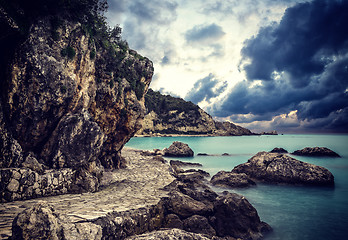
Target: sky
{"points": [[262, 64]]}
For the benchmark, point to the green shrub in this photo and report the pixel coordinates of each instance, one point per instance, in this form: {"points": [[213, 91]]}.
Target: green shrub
{"points": [[92, 54], [68, 52]]}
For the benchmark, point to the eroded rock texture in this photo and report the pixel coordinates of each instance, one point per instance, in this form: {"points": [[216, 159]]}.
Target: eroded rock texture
{"points": [[69, 101], [280, 168], [178, 149]]}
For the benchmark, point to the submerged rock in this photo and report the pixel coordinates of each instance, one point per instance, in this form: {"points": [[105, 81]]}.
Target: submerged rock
{"points": [[280, 168], [316, 152], [232, 180], [178, 149]]}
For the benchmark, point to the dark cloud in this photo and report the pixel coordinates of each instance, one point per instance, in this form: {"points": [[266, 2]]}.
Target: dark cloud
{"points": [[204, 33], [301, 44], [153, 11], [205, 89], [301, 64]]}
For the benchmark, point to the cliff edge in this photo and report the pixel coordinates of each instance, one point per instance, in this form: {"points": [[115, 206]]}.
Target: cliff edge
{"points": [[72, 95]]}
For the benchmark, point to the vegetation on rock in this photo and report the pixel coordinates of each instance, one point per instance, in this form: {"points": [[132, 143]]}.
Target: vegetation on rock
{"points": [[72, 92], [170, 115]]}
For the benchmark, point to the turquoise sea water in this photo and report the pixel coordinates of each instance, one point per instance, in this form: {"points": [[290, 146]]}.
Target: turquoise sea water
{"points": [[294, 212]]}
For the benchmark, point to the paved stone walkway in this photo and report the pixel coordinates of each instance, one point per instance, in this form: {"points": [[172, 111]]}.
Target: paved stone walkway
{"points": [[138, 185]]}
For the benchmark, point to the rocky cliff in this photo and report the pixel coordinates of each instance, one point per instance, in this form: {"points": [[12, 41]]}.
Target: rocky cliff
{"points": [[169, 115], [71, 94]]}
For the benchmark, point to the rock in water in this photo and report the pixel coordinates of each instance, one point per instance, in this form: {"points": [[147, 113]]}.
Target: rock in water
{"points": [[316, 152], [280, 168], [232, 180], [235, 216], [178, 149], [279, 150]]}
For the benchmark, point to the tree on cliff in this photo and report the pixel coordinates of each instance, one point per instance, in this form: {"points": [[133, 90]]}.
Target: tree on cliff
{"points": [[26, 12]]}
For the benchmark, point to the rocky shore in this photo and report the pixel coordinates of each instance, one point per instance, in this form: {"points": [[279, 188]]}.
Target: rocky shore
{"points": [[146, 196]]}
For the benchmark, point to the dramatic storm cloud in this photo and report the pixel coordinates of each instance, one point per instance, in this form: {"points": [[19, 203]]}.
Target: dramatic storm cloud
{"points": [[205, 89], [301, 65], [267, 64]]}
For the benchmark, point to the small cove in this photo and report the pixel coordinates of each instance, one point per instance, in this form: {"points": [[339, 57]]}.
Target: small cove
{"points": [[294, 212]]}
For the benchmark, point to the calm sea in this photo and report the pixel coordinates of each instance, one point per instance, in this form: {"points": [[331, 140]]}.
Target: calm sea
{"points": [[294, 212]]}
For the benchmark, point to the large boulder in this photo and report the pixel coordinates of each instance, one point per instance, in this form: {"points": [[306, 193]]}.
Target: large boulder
{"points": [[198, 224], [232, 180], [184, 206], [316, 152], [41, 221], [280, 168], [178, 149], [235, 216]]}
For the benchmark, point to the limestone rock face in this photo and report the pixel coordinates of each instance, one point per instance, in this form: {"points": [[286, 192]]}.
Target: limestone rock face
{"points": [[232, 180], [69, 111], [178, 149], [168, 115], [280, 168], [316, 152]]}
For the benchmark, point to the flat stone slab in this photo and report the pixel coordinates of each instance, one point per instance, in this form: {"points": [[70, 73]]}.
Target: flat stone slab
{"points": [[138, 185]]}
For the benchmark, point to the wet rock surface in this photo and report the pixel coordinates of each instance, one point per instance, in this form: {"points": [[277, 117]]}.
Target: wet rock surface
{"points": [[231, 180], [178, 149], [316, 152], [280, 168]]}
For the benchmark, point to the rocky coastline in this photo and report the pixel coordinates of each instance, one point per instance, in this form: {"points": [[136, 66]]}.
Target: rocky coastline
{"points": [[147, 198]]}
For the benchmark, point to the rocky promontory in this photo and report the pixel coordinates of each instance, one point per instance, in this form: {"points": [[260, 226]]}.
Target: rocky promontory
{"points": [[281, 168], [167, 115]]}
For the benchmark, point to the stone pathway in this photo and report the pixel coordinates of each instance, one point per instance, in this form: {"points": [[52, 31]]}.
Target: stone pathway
{"points": [[138, 185]]}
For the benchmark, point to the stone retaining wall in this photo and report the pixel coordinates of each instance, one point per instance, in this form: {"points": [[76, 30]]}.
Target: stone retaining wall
{"points": [[20, 184]]}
